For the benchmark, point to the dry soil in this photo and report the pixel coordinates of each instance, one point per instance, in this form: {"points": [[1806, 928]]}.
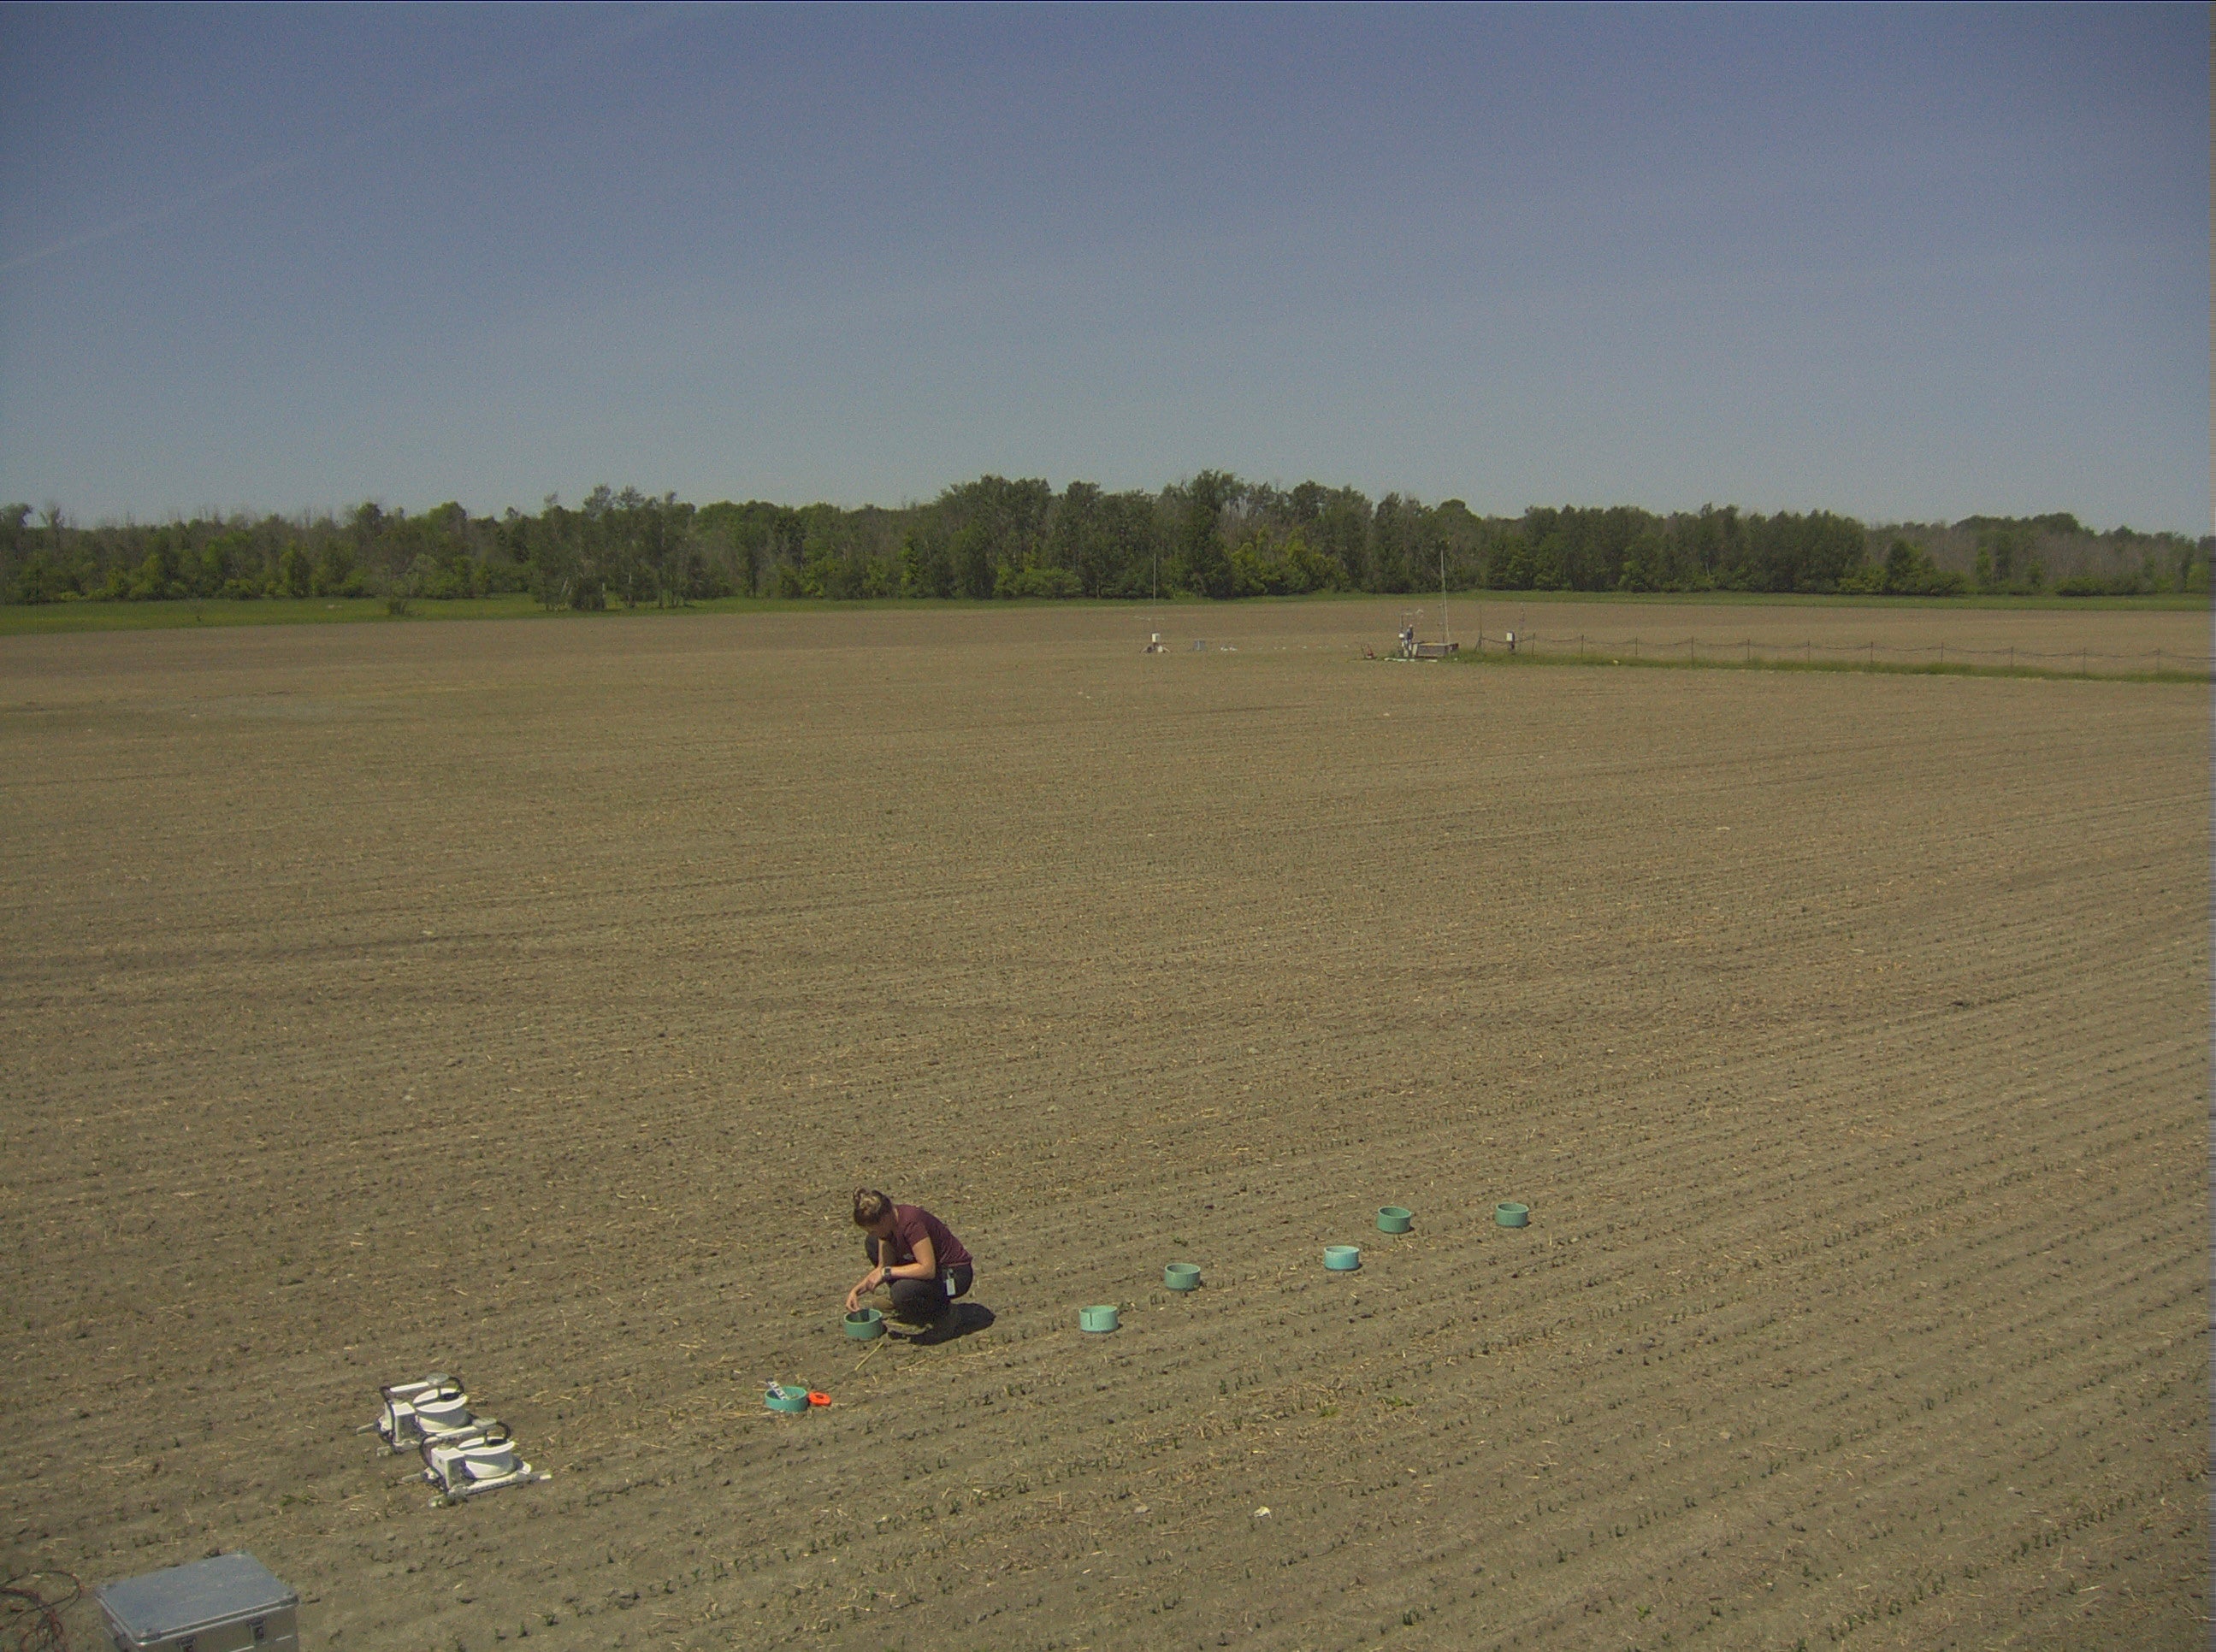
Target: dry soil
{"points": [[524, 999]]}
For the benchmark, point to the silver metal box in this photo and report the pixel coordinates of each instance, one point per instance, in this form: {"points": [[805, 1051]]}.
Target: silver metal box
{"points": [[229, 1604]]}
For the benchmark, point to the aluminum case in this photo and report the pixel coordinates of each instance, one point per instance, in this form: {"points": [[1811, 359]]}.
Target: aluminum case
{"points": [[232, 1603]]}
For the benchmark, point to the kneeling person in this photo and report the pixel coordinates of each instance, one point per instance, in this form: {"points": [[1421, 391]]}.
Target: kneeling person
{"points": [[912, 1254]]}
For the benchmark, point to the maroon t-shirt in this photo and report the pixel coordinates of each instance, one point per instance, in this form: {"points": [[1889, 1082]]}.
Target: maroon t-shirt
{"points": [[914, 1222]]}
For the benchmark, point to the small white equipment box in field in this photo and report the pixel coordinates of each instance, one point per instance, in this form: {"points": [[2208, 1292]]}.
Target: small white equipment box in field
{"points": [[229, 1604]]}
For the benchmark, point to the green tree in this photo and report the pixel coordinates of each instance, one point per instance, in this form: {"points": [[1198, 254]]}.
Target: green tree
{"points": [[926, 562], [1910, 572], [297, 569], [993, 523], [14, 541], [335, 574], [1205, 563]]}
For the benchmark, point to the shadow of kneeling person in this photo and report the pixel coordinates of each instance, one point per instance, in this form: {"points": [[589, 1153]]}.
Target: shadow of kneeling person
{"points": [[960, 1319]]}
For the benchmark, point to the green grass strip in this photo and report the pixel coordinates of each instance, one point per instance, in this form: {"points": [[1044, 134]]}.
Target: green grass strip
{"points": [[1501, 657]]}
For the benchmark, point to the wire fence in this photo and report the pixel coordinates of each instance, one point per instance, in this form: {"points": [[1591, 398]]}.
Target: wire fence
{"points": [[1867, 655]]}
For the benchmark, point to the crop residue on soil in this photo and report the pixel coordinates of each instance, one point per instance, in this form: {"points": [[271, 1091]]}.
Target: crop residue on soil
{"points": [[524, 1000]]}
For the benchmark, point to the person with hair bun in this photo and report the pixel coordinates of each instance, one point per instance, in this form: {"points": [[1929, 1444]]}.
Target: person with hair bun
{"points": [[912, 1253]]}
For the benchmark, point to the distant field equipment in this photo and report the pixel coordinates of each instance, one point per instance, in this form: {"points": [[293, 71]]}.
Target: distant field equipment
{"points": [[463, 1454], [1410, 645], [471, 1460], [414, 1411]]}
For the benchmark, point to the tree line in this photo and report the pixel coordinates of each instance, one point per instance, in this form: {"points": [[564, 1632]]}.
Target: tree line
{"points": [[1212, 535]]}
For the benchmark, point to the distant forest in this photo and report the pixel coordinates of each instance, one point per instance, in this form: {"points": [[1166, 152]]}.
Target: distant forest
{"points": [[1211, 536]]}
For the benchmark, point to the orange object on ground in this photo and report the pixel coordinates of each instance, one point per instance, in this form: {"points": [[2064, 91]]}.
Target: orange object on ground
{"points": [[814, 1398]]}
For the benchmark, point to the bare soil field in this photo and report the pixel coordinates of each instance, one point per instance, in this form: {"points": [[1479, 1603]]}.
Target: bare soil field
{"points": [[524, 999]]}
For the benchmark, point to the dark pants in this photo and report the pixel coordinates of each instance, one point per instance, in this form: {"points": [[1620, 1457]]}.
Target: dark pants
{"points": [[920, 1300]]}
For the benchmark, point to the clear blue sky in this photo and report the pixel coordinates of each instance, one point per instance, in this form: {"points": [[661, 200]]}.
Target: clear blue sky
{"points": [[1907, 263]]}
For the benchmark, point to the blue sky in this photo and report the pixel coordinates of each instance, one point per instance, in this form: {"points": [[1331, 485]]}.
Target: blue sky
{"points": [[1910, 264]]}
